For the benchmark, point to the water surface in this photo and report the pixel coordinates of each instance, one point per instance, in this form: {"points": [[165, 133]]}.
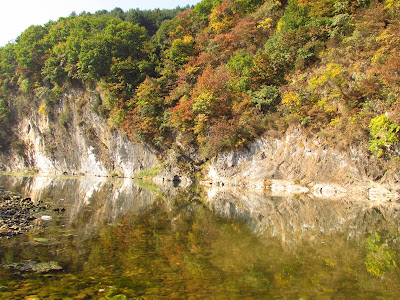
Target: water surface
{"points": [[123, 239]]}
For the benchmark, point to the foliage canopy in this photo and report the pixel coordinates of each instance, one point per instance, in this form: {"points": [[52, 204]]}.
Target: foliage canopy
{"points": [[220, 73]]}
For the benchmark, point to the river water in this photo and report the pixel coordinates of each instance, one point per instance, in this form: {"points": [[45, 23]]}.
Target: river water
{"points": [[123, 239]]}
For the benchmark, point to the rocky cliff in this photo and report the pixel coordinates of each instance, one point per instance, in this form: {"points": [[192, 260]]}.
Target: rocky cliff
{"points": [[71, 138], [297, 163]]}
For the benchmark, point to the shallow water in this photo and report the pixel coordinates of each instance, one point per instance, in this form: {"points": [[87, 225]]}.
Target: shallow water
{"points": [[124, 239]]}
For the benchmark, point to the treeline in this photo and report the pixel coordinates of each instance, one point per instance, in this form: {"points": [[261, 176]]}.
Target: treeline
{"points": [[113, 48], [216, 76]]}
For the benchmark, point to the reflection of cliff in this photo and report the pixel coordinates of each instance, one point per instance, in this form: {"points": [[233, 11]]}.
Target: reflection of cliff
{"points": [[297, 219], [92, 202], [88, 202]]}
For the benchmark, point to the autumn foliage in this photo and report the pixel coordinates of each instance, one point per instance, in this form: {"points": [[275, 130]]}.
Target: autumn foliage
{"points": [[222, 72]]}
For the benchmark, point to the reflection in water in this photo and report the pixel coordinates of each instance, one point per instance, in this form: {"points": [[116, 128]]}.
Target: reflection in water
{"points": [[118, 240], [295, 219], [89, 203]]}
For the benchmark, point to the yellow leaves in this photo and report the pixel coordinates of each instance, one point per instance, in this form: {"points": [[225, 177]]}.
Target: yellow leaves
{"points": [[200, 123], [279, 26], [335, 122], [387, 38], [318, 8], [265, 24], [334, 70], [326, 105], [204, 103], [192, 69], [292, 100], [221, 26], [240, 142], [200, 128], [221, 18], [178, 33], [181, 49], [332, 73], [380, 56], [328, 85], [187, 39], [388, 42], [116, 118], [43, 110], [392, 4]]}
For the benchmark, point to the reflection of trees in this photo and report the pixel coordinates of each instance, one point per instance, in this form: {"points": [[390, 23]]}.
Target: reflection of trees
{"points": [[184, 250], [121, 240], [380, 259]]}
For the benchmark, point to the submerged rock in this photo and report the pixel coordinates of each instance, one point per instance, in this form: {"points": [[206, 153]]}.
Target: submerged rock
{"points": [[16, 214], [33, 266]]}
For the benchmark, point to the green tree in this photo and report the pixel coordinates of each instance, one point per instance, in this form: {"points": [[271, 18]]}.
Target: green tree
{"points": [[182, 49], [241, 65], [31, 51], [7, 64], [380, 258], [94, 59], [266, 98], [4, 112]]}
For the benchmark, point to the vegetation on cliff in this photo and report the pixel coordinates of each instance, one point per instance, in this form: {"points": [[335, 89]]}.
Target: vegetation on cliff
{"points": [[215, 76]]}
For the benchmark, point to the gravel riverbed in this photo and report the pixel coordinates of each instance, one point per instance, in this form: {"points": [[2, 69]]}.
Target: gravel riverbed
{"points": [[16, 213]]}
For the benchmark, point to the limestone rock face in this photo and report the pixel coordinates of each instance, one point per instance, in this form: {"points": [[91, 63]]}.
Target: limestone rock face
{"points": [[84, 144], [292, 157]]}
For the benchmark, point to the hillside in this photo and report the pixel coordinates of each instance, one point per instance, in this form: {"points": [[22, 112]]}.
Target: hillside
{"points": [[217, 76]]}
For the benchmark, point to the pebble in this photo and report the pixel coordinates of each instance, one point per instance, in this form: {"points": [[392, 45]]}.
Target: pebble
{"points": [[16, 214]]}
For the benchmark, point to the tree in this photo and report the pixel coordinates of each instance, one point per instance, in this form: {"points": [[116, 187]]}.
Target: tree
{"points": [[94, 59], [182, 49], [266, 98], [241, 65], [30, 51]]}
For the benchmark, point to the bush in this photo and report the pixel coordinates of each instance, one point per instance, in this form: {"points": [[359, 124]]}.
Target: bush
{"points": [[385, 133], [266, 98], [64, 118]]}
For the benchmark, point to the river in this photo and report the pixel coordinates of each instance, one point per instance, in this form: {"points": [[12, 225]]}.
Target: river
{"points": [[124, 239]]}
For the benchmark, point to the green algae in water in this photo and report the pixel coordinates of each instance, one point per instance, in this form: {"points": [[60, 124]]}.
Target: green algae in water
{"points": [[40, 240]]}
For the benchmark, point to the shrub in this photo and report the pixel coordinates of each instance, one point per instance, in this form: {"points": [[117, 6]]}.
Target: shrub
{"points": [[266, 98], [43, 110], [64, 118], [384, 132]]}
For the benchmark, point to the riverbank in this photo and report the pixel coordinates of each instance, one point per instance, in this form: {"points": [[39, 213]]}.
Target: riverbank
{"points": [[16, 213]]}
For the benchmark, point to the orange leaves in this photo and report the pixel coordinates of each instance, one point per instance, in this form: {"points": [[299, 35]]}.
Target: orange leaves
{"points": [[182, 114], [213, 79]]}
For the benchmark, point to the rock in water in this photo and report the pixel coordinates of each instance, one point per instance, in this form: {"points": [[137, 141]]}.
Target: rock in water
{"points": [[16, 214], [33, 266]]}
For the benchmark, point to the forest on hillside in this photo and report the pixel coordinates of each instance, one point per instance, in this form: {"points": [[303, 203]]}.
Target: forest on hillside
{"points": [[215, 76]]}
